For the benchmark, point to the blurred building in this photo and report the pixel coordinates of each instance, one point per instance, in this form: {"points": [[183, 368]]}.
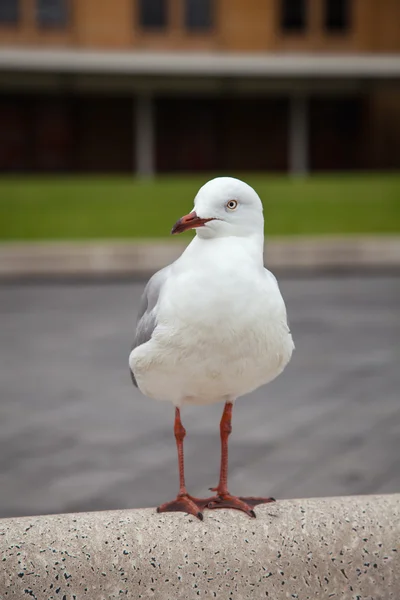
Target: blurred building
{"points": [[199, 85]]}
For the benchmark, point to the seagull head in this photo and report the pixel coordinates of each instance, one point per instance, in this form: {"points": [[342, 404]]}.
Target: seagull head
{"points": [[224, 207]]}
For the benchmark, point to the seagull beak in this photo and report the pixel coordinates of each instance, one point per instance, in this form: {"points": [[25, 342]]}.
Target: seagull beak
{"points": [[190, 221]]}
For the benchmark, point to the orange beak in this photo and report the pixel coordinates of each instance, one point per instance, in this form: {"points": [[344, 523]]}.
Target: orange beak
{"points": [[190, 221]]}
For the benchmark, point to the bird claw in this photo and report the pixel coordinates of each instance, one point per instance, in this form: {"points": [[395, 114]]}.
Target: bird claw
{"points": [[195, 506], [184, 503], [245, 504]]}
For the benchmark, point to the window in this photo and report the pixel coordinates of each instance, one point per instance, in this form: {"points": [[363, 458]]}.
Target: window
{"points": [[198, 14], [153, 13], [293, 15], [52, 13], [9, 12], [337, 15]]}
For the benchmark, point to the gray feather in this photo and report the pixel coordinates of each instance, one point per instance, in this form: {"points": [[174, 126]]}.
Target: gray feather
{"points": [[147, 318]]}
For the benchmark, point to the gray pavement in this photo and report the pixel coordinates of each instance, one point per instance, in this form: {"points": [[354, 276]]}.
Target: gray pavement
{"points": [[76, 435]]}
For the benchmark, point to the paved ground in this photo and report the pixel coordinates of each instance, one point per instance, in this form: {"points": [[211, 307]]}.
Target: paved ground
{"points": [[76, 435]]}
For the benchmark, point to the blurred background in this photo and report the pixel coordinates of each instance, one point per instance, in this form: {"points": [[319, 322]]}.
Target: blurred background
{"points": [[112, 114]]}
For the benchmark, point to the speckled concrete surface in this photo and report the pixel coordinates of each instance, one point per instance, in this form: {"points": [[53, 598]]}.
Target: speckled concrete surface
{"points": [[305, 549]]}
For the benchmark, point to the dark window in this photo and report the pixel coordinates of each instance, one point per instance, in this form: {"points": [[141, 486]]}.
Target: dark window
{"points": [[198, 14], [9, 12], [52, 13], [153, 13], [337, 15], [293, 15]]}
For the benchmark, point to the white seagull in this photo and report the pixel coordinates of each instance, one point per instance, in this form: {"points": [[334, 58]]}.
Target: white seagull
{"points": [[212, 326]]}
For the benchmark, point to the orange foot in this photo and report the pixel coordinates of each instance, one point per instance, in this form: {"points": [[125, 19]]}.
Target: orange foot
{"points": [[183, 503], [226, 500]]}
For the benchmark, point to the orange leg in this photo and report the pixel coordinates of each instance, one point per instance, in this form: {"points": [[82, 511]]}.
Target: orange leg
{"points": [[223, 498], [183, 502]]}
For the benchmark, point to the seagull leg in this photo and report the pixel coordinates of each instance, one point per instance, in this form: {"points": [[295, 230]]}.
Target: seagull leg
{"points": [[223, 498], [183, 502]]}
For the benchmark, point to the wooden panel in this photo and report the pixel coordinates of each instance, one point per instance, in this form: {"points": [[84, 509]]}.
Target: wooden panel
{"points": [[337, 133], [36, 134], [221, 134], [187, 134], [103, 24], [254, 134], [247, 25], [384, 128], [104, 135], [56, 134], [13, 134], [386, 26], [52, 134]]}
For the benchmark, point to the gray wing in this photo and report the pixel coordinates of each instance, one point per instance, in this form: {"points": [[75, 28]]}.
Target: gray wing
{"points": [[146, 319]]}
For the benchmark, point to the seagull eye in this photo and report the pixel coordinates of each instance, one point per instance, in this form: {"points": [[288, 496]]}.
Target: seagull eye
{"points": [[232, 204]]}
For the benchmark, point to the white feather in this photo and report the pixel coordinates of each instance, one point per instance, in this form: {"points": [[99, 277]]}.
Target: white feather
{"points": [[221, 321]]}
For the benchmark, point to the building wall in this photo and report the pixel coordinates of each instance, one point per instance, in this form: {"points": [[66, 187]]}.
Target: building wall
{"points": [[62, 129], [237, 25]]}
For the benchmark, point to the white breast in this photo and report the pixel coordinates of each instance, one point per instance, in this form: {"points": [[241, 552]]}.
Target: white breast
{"points": [[222, 332]]}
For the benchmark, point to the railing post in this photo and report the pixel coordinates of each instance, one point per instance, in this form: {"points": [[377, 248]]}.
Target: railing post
{"points": [[298, 135]]}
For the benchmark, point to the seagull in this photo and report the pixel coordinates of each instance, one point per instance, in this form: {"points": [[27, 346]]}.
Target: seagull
{"points": [[212, 326]]}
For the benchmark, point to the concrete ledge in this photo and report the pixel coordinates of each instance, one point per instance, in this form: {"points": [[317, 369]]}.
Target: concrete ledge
{"points": [[344, 548], [94, 259]]}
